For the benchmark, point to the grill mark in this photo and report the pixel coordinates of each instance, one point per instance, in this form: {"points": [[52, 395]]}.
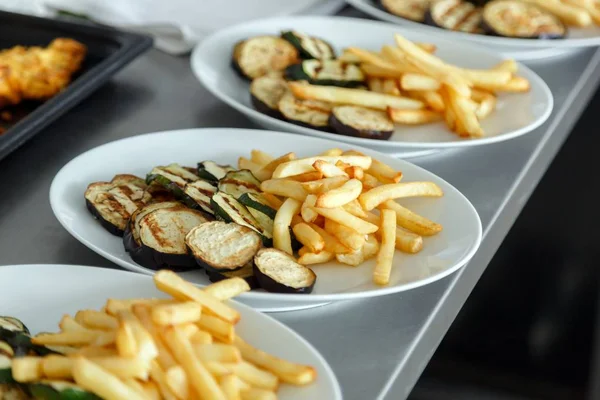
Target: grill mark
{"points": [[239, 183], [467, 18], [249, 222], [155, 229]]}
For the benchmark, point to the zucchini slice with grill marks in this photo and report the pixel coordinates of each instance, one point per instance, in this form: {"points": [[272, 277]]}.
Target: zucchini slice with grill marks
{"points": [[256, 202], [309, 47], [510, 18], [410, 9], [361, 122], [260, 55], [211, 171], [308, 113], [277, 271], [229, 209], [327, 73], [246, 273], [59, 390], [173, 177], [6, 355], [222, 246], [236, 183], [198, 195], [265, 93], [455, 15]]}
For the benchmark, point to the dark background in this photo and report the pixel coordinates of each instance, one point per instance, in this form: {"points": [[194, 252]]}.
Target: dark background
{"points": [[528, 329]]}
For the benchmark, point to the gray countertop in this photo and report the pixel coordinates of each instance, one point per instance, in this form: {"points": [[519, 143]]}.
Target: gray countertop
{"points": [[377, 347]]}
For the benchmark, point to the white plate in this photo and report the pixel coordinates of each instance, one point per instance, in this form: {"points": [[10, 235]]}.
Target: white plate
{"points": [[516, 114], [519, 48], [53, 290], [441, 255]]}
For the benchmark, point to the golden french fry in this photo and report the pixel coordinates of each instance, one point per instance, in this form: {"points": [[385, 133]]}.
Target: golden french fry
{"points": [[230, 387], [158, 375], [125, 340], [347, 237], [324, 185], [143, 312], [355, 209], [346, 193], [315, 258], [151, 391], [144, 343], [349, 57], [412, 221], [465, 114], [375, 84], [27, 369], [202, 381], [433, 100], [517, 84], [169, 282], [273, 200], [217, 352], [381, 171], [177, 382], [303, 250], [95, 351], [399, 60], [371, 57], [97, 380], [408, 242], [284, 187], [390, 86], [328, 170], [57, 367], [260, 157], [124, 367], [370, 182], [306, 211], [332, 244], [303, 165], [281, 234], [137, 386], [67, 323], [374, 197], [419, 82], [218, 328], [227, 288], [306, 177], [355, 173], [413, 117], [486, 106], [509, 65], [289, 372], [309, 237], [115, 305], [254, 376], [258, 394], [356, 97], [176, 313], [201, 337], [256, 169], [279, 160], [334, 152], [385, 257], [96, 320], [189, 329], [371, 247], [376, 71], [343, 217], [354, 258], [72, 338], [428, 47]]}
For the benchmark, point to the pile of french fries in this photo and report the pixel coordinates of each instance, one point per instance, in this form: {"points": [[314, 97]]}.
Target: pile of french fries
{"points": [[580, 13], [180, 348], [416, 87], [341, 206]]}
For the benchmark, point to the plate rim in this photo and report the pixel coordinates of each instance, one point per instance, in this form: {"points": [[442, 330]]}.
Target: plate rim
{"points": [[524, 44], [54, 196], [332, 377], [196, 58]]}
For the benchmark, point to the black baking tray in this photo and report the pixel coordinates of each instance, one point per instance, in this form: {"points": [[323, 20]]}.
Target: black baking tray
{"points": [[108, 51]]}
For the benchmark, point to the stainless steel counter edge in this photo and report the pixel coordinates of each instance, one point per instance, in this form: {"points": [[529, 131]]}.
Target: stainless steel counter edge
{"points": [[425, 343]]}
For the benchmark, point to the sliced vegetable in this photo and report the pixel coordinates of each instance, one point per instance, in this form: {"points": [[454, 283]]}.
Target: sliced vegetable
{"points": [[236, 183], [229, 209], [6, 355], [246, 273], [410, 9], [361, 122], [211, 171], [265, 93], [456, 15], [510, 18], [309, 47], [257, 203], [309, 113], [222, 246], [277, 271], [13, 324], [173, 177], [59, 390], [198, 195], [260, 55], [326, 72]]}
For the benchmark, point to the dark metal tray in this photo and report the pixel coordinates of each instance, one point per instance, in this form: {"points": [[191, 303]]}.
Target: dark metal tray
{"points": [[108, 50]]}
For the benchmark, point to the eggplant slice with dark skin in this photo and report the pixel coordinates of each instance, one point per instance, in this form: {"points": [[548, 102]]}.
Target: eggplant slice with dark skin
{"points": [[277, 271], [509, 18], [309, 47], [410, 9], [361, 122], [223, 247], [308, 113], [260, 55], [455, 15], [265, 93], [326, 73]]}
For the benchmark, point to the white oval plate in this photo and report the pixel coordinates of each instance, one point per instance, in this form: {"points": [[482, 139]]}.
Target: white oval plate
{"points": [[441, 255], [516, 114], [577, 37], [53, 290]]}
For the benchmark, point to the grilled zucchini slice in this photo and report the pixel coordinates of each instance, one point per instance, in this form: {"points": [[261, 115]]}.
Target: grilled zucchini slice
{"points": [[277, 271], [229, 209], [361, 122], [309, 47], [236, 183], [258, 56], [198, 195], [211, 171], [327, 73], [309, 113], [265, 93], [173, 177]]}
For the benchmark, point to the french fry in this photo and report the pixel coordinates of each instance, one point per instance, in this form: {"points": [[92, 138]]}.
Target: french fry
{"points": [[371, 247], [284, 187], [177, 313], [202, 381], [306, 177], [332, 244], [260, 157], [95, 351], [309, 237], [123, 367], [399, 60], [144, 343], [374, 197], [343, 217], [346, 193], [227, 288], [177, 382], [354, 208], [381, 171], [303, 165], [189, 329], [270, 167], [333, 152], [93, 319], [570, 15], [354, 258], [348, 237], [252, 375], [355, 173], [97, 380], [201, 337], [315, 258], [256, 169], [230, 387], [324, 185], [465, 114], [428, 47], [218, 328], [57, 367], [371, 57], [385, 257], [306, 211], [115, 305], [171, 283], [136, 385], [408, 242], [328, 170], [370, 182], [412, 221], [27, 369], [349, 57], [158, 376], [517, 84], [281, 233], [390, 86], [419, 82], [295, 374], [433, 99], [217, 352], [413, 117], [143, 312], [354, 97], [257, 394], [273, 200], [509, 65], [375, 84], [376, 71], [486, 106], [151, 390], [72, 338], [67, 323]]}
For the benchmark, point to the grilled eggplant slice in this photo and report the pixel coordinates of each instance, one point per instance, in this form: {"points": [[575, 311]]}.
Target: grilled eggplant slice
{"points": [[229, 209], [510, 18], [211, 171], [309, 47], [361, 122], [223, 247], [277, 271], [265, 93], [260, 55], [173, 177], [112, 203], [197, 195], [59, 390], [308, 113], [236, 183], [327, 73], [246, 273], [455, 15], [410, 9]]}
